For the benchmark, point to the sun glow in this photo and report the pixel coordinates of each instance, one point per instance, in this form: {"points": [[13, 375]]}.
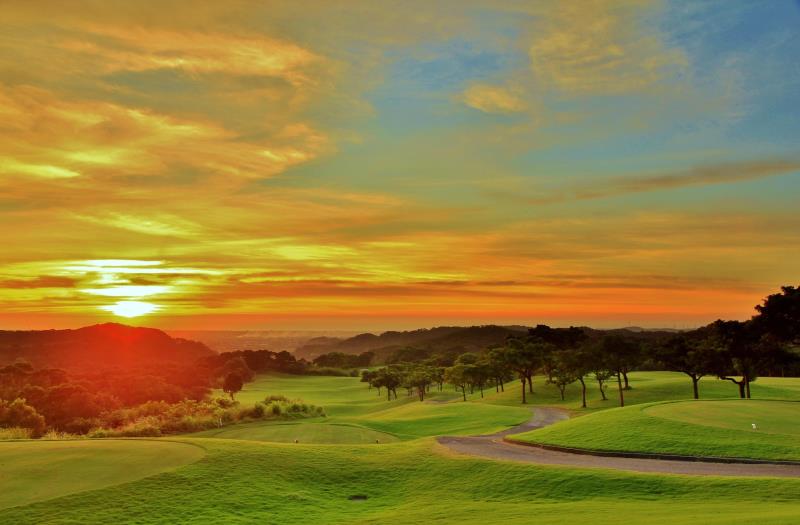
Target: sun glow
{"points": [[131, 308]]}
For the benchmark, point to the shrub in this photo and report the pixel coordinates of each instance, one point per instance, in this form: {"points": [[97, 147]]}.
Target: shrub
{"points": [[55, 435], [19, 414], [276, 409], [15, 433], [272, 398]]}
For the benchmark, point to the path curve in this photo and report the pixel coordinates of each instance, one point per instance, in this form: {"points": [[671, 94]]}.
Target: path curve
{"points": [[493, 446]]}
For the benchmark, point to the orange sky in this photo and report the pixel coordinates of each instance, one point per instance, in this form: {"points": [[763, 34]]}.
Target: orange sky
{"points": [[379, 165]]}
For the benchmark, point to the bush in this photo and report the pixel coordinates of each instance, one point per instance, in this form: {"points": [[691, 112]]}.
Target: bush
{"points": [[270, 399], [15, 433], [276, 409], [19, 414], [55, 435]]}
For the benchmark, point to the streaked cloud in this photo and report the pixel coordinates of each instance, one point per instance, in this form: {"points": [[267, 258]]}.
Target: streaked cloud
{"points": [[696, 176]]}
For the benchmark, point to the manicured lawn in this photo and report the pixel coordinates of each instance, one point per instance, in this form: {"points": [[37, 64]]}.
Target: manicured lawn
{"points": [[39, 470], [255, 473], [361, 416], [700, 428], [647, 387], [304, 432], [409, 482]]}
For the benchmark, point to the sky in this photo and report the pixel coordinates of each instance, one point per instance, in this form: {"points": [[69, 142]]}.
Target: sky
{"points": [[393, 165]]}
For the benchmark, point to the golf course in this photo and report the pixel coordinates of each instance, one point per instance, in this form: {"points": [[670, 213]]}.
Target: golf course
{"points": [[370, 460]]}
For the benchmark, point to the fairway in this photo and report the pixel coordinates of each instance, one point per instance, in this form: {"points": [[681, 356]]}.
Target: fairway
{"points": [[254, 472], [33, 471], [357, 414], [304, 432], [696, 428], [770, 417], [242, 482]]}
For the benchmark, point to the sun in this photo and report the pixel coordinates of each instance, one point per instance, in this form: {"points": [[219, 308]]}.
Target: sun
{"points": [[131, 308]]}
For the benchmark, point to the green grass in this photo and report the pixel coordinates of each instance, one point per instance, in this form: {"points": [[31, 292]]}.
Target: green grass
{"points": [[698, 428], [357, 414], [32, 471], [305, 432], [647, 387], [250, 473], [242, 482]]}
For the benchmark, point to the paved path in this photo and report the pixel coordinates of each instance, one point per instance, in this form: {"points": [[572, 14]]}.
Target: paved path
{"points": [[492, 446]]}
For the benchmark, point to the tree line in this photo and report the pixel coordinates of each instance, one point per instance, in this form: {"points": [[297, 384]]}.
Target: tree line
{"points": [[735, 351]]}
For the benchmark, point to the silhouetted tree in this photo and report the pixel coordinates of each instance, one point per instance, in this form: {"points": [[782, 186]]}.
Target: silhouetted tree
{"points": [[233, 384]]}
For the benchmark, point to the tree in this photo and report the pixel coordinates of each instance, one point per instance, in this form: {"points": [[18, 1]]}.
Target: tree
{"points": [[233, 384], [562, 371], [524, 357], [390, 379], [420, 377], [779, 315], [458, 376], [498, 365], [621, 353], [691, 355]]}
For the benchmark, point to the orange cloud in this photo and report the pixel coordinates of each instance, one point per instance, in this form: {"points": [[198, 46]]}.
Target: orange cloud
{"points": [[493, 99]]}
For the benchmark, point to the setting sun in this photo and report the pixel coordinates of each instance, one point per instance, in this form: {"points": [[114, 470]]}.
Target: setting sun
{"points": [[131, 308]]}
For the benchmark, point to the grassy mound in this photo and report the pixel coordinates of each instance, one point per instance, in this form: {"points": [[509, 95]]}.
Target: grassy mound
{"points": [[32, 471], [697, 428], [248, 482]]}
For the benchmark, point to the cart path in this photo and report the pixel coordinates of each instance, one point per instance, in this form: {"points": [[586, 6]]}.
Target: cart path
{"points": [[494, 447]]}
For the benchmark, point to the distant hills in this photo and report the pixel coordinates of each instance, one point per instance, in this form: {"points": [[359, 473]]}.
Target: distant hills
{"points": [[99, 346], [464, 339]]}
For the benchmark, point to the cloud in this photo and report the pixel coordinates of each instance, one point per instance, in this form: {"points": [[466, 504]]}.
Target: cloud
{"points": [[600, 47], [120, 48], [70, 138], [493, 99], [44, 281], [696, 176]]}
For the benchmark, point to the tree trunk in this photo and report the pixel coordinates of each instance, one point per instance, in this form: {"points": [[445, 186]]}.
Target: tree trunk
{"points": [[464, 392], [602, 392], [561, 388], [747, 385], [481, 387], [619, 384], [523, 391], [695, 379], [530, 384], [502, 388], [583, 393], [496, 385], [625, 376], [421, 392], [388, 394]]}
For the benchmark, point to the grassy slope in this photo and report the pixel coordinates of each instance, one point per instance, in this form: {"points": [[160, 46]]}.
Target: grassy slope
{"points": [[251, 482], [38, 470], [246, 481], [701, 428], [359, 415], [647, 387]]}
